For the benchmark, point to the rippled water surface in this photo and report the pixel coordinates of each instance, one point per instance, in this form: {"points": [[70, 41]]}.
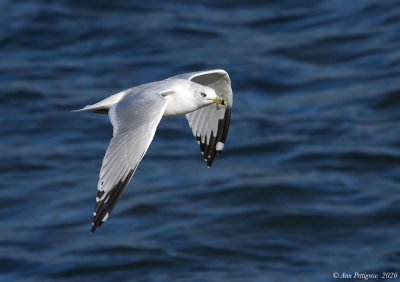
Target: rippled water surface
{"points": [[308, 183]]}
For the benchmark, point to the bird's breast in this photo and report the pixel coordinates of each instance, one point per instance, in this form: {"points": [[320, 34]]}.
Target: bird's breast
{"points": [[177, 106]]}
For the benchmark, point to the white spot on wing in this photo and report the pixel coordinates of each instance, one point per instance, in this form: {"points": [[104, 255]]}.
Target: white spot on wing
{"points": [[219, 146], [94, 214], [105, 217], [102, 198], [97, 199]]}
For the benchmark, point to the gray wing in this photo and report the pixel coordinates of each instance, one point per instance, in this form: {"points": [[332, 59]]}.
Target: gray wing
{"points": [[210, 124], [135, 119]]}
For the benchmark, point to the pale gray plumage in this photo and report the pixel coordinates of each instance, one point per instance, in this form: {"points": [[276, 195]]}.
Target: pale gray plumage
{"points": [[206, 99]]}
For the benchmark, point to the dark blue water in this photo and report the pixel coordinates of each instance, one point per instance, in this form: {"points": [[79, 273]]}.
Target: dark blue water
{"points": [[308, 183]]}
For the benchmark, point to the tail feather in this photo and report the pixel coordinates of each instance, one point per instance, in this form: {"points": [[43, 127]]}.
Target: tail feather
{"points": [[104, 105], [96, 110]]}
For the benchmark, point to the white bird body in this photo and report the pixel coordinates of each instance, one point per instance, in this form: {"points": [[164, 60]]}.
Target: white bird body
{"points": [[178, 104], [204, 97]]}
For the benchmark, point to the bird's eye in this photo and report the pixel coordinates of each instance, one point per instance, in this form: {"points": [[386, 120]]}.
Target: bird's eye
{"points": [[203, 94]]}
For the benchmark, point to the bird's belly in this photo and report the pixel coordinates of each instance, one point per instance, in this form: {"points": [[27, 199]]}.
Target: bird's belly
{"points": [[176, 112]]}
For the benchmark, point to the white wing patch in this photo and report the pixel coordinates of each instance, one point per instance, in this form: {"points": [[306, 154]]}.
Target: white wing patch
{"points": [[219, 146]]}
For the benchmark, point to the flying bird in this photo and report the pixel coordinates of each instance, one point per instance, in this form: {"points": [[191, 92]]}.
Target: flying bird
{"points": [[205, 98]]}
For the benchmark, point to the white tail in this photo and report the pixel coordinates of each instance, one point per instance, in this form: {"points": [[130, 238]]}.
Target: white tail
{"points": [[104, 105]]}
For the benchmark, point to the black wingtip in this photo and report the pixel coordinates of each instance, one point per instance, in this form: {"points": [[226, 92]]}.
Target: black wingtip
{"points": [[210, 160], [215, 141], [106, 203]]}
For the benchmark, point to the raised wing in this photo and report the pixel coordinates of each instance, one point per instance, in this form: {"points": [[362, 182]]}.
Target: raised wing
{"points": [[210, 124], [134, 119]]}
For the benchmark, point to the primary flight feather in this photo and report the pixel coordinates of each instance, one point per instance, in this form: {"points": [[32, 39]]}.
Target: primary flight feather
{"points": [[204, 97]]}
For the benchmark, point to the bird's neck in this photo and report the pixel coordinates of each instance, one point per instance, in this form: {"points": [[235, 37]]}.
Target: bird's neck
{"points": [[180, 104], [180, 100]]}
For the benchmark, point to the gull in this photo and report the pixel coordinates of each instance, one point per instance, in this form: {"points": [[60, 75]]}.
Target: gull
{"points": [[205, 98]]}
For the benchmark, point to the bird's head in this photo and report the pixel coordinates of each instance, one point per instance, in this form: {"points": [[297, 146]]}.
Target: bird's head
{"points": [[206, 95]]}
